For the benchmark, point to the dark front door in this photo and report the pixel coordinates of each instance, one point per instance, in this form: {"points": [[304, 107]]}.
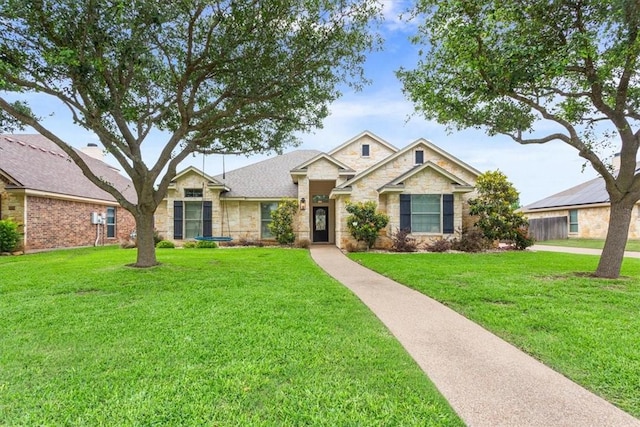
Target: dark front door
{"points": [[320, 224]]}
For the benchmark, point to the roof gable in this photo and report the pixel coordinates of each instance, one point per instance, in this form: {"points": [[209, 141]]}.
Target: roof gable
{"points": [[358, 137], [419, 143], [192, 170]]}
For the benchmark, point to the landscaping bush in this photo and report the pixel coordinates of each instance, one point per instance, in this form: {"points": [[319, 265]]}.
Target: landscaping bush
{"points": [[521, 239], [440, 245], [206, 244], [303, 243], [401, 241], [364, 223], [9, 235], [190, 244], [470, 240], [282, 221], [157, 237], [165, 244]]}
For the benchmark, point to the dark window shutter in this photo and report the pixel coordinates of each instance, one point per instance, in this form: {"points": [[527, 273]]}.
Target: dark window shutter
{"points": [[206, 218], [405, 212], [447, 213], [177, 219]]}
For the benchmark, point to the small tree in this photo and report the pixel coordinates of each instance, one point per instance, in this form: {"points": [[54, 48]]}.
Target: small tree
{"points": [[9, 235], [282, 221], [496, 206], [364, 223]]}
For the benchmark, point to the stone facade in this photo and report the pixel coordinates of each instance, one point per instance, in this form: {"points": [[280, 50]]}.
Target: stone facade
{"points": [[330, 181], [593, 221]]}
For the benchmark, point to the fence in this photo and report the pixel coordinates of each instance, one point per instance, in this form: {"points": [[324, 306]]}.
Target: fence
{"points": [[549, 228]]}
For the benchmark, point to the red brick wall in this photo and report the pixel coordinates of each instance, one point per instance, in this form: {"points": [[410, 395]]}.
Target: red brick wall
{"points": [[53, 223]]}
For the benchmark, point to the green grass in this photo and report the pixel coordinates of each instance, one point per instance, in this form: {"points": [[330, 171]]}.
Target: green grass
{"points": [[210, 337], [632, 245], [586, 328]]}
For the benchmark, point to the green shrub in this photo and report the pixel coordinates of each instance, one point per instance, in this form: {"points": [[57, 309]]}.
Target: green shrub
{"points": [[165, 244], [206, 244], [282, 221], [9, 235], [364, 223], [190, 244]]}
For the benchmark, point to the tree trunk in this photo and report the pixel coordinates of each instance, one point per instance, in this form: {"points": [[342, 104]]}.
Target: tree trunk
{"points": [[146, 244], [617, 235]]}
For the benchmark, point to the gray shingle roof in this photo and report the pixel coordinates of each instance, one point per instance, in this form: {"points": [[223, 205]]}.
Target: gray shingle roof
{"points": [[587, 193], [269, 179], [36, 163]]}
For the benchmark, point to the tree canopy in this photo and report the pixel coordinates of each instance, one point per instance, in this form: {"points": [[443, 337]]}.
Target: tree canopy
{"points": [[509, 66], [219, 76]]}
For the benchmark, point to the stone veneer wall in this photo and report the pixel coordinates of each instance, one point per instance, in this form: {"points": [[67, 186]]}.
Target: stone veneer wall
{"points": [[55, 223], [592, 221]]}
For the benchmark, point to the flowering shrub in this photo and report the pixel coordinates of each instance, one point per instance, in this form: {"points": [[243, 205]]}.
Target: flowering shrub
{"points": [[364, 223]]}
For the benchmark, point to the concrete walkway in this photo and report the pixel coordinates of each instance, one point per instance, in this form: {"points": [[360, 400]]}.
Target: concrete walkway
{"points": [[582, 251], [487, 381]]}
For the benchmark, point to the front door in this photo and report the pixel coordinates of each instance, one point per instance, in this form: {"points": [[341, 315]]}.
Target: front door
{"points": [[320, 224]]}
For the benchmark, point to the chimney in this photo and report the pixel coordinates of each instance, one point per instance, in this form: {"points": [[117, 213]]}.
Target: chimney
{"points": [[615, 162], [92, 150]]}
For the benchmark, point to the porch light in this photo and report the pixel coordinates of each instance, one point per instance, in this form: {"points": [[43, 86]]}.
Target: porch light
{"points": [[303, 204]]}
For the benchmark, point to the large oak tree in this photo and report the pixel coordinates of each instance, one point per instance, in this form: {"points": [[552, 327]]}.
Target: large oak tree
{"points": [[225, 76], [508, 66]]}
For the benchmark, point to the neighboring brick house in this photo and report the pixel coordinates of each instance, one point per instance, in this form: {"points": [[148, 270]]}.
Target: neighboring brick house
{"points": [[578, 212], [421, 187], [44, 191]]}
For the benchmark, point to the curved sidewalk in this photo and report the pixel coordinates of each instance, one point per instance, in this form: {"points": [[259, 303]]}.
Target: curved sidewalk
{"points": [[487, 381]]}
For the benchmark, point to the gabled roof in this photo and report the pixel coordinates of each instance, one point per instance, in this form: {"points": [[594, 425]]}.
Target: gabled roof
{"points": [[360, 135], [587, 193], [403, 151], [592, 192], [33, 162], [397, 184], [211, 181], [302, 168], [268, 179]]}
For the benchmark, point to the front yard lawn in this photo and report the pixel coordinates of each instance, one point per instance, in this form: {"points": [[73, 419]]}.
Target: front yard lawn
{"points": [[586, 328], [211, 337]]}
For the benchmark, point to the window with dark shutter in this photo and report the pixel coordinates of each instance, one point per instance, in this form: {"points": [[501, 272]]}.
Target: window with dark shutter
{"points": [[177, 219], [405, 212], [207, 211], [447, 213]]}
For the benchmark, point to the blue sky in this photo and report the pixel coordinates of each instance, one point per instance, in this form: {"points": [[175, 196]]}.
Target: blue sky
{"points": [[536, 171]]}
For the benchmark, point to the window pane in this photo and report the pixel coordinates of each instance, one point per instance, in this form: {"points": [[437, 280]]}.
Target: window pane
{"points": [[573, 221], [425, 203], [265, 218], [193, 210], [193, 192], [111, 222], [419, 157], [365, 150], [192, 219], [425, 223], [425, 213]]}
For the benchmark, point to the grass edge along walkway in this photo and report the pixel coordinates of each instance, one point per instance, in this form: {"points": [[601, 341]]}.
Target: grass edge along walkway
{"points": [[256, 337], [485, 379]]}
